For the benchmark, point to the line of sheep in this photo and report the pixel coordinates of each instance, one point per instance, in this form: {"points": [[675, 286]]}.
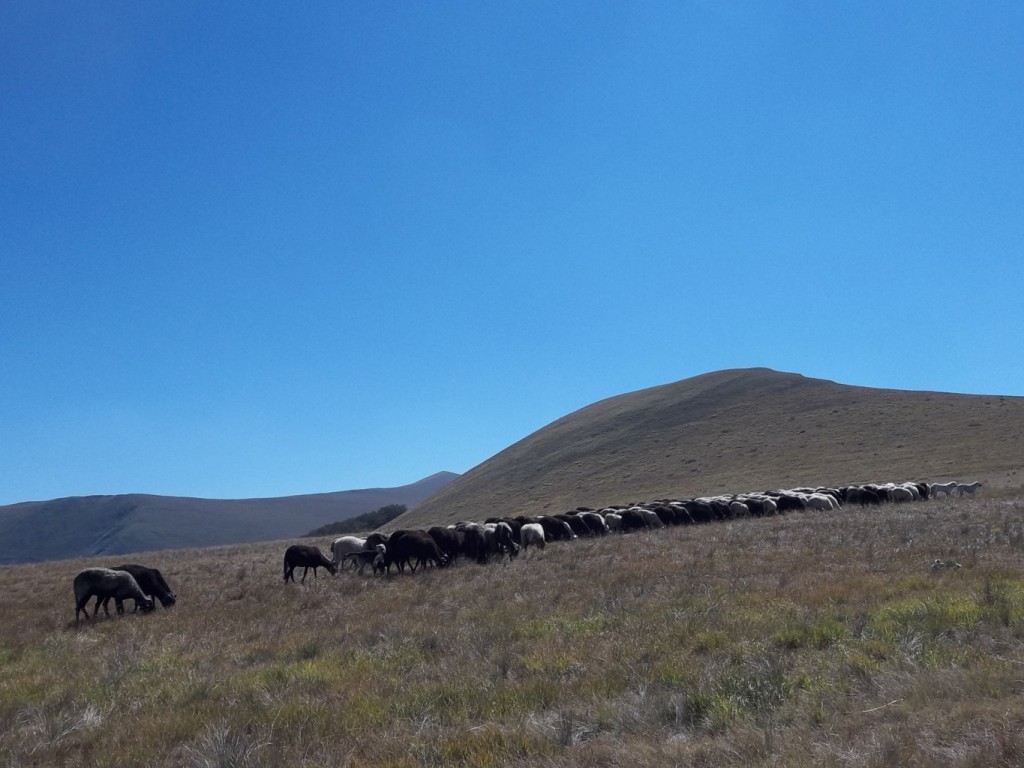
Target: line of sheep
{"points": [[506, 537]]}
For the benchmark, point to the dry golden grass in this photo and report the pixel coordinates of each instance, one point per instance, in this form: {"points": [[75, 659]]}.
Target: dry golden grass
{"points": [[806, 640]]}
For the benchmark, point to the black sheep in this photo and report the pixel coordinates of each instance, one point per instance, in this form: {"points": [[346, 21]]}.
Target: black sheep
{"points": [[307, 557], [416, 546], [151, 581]]}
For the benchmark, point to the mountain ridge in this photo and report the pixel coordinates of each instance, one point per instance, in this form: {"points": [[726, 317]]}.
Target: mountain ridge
{"points": [[80, 526]]}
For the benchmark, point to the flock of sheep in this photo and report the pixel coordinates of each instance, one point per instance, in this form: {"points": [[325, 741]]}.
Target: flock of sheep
{"points": [[506, 537], [500, 537]]}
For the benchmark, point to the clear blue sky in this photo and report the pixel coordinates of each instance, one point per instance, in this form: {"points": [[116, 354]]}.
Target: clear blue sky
{"points": [[278, 248]]}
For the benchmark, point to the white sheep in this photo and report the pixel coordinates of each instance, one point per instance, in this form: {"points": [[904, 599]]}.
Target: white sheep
{"points": [[613, 520], [531, 533], [346, 545], [106, 583]]}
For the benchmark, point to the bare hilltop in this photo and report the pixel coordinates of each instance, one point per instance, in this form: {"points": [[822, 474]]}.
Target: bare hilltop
{"points": [[739, 430]]}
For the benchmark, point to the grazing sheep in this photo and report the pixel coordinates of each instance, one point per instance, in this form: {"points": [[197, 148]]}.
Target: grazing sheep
{"points": [[633, 520], [862, 496], [474, 542], [505, 541], [555, 529], [346, 545], [531, 533], [575, 523], [739, 508], [364, 557], [150, 581], [450, 540], [699, 510], [408, 546], [105, 583], [613, 520], [595, 522], [652, 518], [900, 495], [822, 502], [376, 538], [308, 557]]}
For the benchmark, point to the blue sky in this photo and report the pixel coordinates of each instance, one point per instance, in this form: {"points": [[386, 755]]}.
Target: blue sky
{"points": [[298, 248]]}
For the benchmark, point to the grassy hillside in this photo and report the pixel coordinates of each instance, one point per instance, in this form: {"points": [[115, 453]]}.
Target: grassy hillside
{"points": [[95, 525], [806, 640], [739, 430]]}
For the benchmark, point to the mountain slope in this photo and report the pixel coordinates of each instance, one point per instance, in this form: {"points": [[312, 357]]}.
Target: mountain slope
{"points": [[107, 525], [738, 430]]}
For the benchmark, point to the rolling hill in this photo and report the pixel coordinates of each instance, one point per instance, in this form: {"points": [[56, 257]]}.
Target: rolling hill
{"points": [[738, 430], [82, 526]]}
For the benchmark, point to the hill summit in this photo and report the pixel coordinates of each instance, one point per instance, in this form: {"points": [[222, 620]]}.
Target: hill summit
{"points": [[738, 430]]}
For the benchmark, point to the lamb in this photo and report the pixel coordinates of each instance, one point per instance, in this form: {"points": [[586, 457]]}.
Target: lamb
{"points": [[308, 557], [364, 557], [382, 564], [105, 583]]}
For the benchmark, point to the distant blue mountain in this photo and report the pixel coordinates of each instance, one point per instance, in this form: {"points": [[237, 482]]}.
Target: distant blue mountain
{"points": [[84, 526]]}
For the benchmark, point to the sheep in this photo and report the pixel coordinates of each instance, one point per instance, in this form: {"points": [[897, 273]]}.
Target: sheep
{"points": [[364, 557], [652, 518], [575, 523], [967, 489], [595, 522], [862, 496], [822, 502], [150, 581], [505, 540], [474, 542], [308, 557], [346, 545], [555, 529], [381, 563], [739, 508], [409, 545], [899, 494], [633, 519], [105, 583], [531, 533], [613, 520], [449, 540]]}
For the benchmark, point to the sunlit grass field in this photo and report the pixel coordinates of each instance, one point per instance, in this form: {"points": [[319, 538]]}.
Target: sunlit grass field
{"points": [[811, 639]]}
